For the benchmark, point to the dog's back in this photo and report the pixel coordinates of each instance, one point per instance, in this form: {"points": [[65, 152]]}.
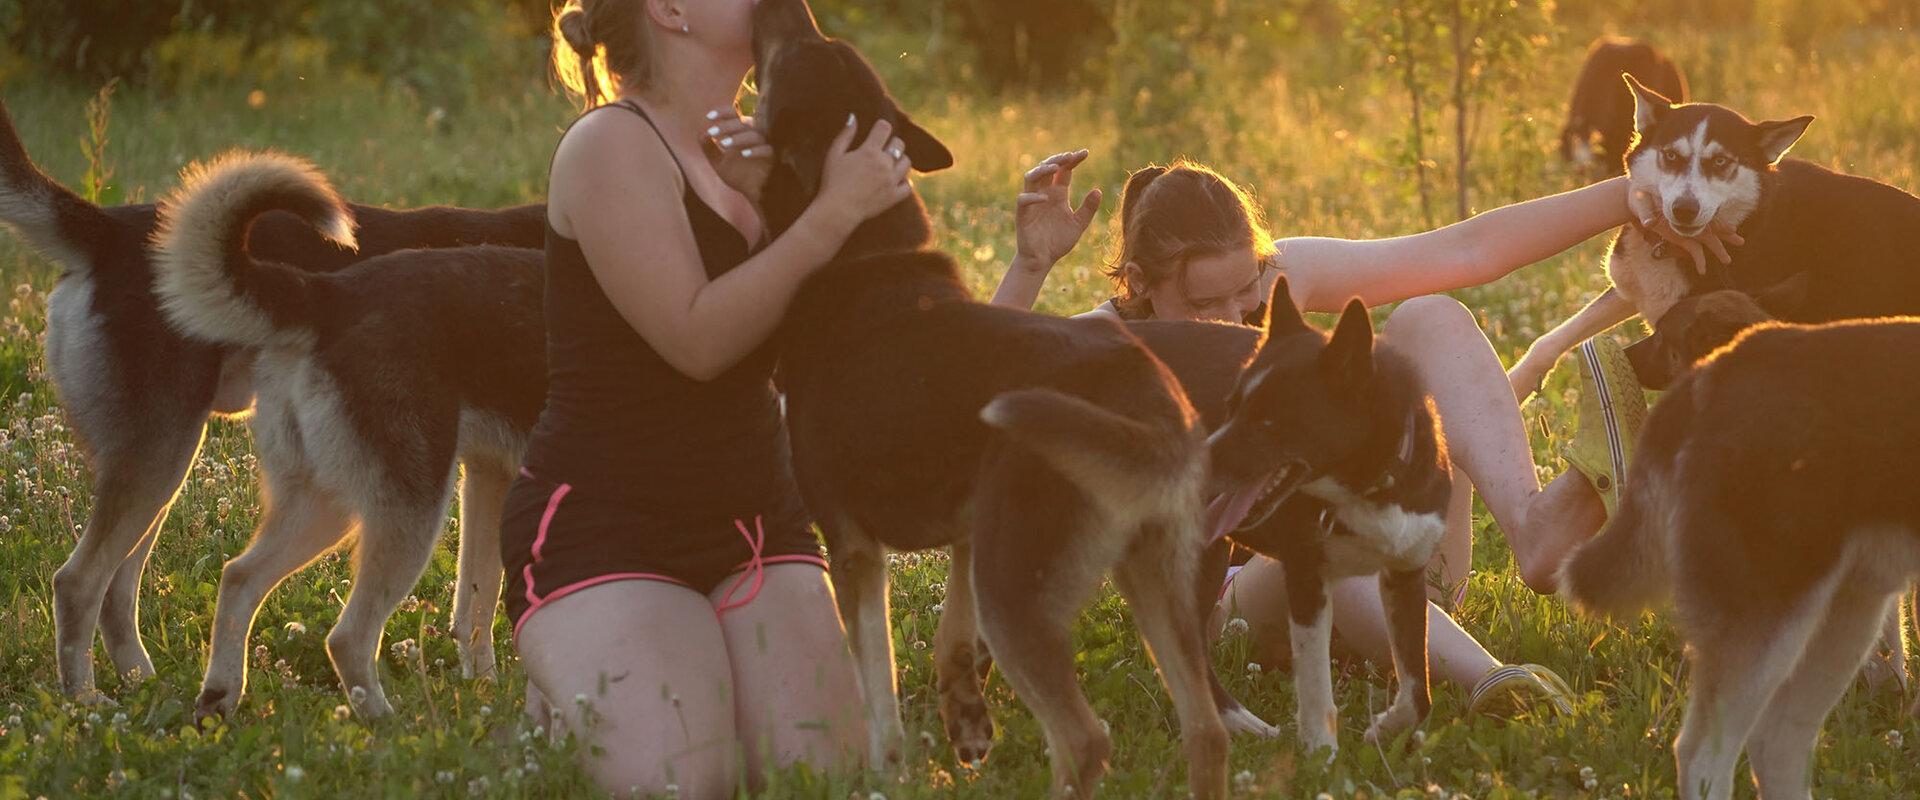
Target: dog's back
{"points": [[1858, 239], [1601, 107]]}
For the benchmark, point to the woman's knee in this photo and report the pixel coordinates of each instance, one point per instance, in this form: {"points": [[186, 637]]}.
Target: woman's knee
{"points": [[1431, 315]]}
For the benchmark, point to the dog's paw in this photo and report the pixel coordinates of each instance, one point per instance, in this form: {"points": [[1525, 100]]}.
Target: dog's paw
{"points": [[1390, 723], [214, 704], [1240, 720], [971, 734]]}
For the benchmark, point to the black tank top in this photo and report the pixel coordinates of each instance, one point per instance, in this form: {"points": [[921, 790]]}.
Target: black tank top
{"points": [[620, 420]]}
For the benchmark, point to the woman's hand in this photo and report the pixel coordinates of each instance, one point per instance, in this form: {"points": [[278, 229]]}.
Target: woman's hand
{"points": [[1715, 239], [1046, 228], [738, 151], [859, 184]]}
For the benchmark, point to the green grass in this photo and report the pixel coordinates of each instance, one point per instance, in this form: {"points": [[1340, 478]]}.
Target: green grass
{"points": [[1314, 139]]}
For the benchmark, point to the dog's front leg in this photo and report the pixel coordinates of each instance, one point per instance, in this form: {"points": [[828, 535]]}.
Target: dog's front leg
{"points": [[476, 592], [1404, 595], [961, 664], [860, 586], [1312, 619]]}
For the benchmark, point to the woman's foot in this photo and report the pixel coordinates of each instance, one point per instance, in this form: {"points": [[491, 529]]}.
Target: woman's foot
{"points": [[1611, 409], [1509, 689]]}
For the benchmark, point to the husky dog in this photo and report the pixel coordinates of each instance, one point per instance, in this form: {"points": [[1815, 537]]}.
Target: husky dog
{"points": [[372, 381], [1783, 546], [1342, 421], [1600, 113], [138, 394], [1045, 452]]}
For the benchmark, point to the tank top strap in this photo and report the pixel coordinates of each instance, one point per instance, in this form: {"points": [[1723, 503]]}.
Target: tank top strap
{"points": [[634, 107]]}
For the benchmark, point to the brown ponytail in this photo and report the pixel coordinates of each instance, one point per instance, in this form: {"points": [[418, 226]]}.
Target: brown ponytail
{"points": [[1170, 215], [601, 47]]}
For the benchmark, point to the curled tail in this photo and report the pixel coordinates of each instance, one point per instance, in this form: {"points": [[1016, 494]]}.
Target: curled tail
{"points": [[209, 286], [49, 217], [1100, 451]]}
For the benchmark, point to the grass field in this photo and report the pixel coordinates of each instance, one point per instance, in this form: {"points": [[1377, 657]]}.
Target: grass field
{"points": [[1315, 141]]}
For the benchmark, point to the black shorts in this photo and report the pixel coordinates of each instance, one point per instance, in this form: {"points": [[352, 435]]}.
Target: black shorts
{"points": [[556, 540]]}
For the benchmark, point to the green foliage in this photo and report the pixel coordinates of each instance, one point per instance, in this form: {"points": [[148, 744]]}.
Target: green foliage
{"points": [[1313, 121]]}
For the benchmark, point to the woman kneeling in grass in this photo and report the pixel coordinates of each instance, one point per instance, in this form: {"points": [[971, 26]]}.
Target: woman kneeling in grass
{"points": [[1192, 246]]}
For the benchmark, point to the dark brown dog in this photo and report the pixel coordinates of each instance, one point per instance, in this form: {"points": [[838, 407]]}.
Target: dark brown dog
{"points": [[1045, 452]]}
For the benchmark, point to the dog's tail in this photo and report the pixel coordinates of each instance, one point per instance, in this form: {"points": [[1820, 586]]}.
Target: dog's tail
{"points": [[209, 285], [49, 217], [1625, 568], [1100, 451]]}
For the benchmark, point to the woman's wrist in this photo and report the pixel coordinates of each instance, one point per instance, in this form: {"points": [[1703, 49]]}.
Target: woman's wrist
{"points": [[1030, 264]]}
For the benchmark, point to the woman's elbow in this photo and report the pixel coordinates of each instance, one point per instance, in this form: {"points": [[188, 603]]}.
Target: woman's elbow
{"points": [[694, 362]]}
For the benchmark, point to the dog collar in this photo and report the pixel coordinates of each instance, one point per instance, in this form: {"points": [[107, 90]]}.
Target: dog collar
{"points": [[1662, 249]]}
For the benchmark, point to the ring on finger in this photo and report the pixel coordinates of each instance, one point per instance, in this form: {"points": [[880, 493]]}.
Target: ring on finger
{"points": [[898, 152]]}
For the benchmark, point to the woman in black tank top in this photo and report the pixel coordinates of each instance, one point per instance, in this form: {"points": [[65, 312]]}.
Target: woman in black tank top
{"points": [[668, 596]]}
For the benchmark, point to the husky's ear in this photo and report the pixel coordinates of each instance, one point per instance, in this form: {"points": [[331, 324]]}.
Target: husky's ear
{"points": [[1784, 298], [1282, 315], [927, 153], [1648, 105], [1776, 137], [1349, 354]]}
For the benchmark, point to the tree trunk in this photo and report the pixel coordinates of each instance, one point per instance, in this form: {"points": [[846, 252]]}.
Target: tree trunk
{"points": [[1411, 77], [1462, 50]]}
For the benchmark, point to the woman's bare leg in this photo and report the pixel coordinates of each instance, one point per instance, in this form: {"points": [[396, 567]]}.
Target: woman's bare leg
{"points": [[1487, 439], [798, 698], [638, 669]]}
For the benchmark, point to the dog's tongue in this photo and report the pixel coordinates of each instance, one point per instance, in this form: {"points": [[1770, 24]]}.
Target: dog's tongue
{"points": [[1226, 511]]}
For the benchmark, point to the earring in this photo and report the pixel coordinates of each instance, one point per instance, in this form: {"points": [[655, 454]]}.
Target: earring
{"points": [[685, 28]]}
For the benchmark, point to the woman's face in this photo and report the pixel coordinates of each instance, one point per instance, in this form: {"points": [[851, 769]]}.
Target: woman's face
{"points": [[1222, 287]]}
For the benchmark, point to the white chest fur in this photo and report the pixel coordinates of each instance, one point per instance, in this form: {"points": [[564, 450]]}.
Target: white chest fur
{"points": [[1385, 535]]}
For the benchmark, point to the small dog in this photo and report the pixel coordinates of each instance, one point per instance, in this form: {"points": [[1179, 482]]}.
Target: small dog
{"points": [[138, 394], [1600, 113], [1699, 324], [1341, 420], [1784, 546], [372, 381], [1045, 452]]}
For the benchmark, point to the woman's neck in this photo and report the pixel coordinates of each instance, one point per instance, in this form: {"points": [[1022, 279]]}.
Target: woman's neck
{"points": [[688, 83]]}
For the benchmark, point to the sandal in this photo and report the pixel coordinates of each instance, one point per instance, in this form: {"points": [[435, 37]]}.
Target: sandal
{"points": [[1611, 409], [1507, 689]]}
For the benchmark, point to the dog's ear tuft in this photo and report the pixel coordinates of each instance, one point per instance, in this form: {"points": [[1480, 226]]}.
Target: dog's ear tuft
{"points": [[1776, 137], [1648, 105], [1785, 298], [1349, 354], [927, 153], [1282, 315]]}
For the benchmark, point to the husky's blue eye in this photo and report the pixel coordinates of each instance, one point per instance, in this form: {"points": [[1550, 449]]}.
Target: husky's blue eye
{"points": [[1670, 155], [1721, 161]]}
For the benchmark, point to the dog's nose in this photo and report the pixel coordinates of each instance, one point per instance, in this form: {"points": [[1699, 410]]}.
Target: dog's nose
{"points": [[1685, 210]]}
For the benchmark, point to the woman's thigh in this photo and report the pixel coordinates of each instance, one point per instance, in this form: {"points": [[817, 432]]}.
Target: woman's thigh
{"points": [[638, 669], [798, 700]]}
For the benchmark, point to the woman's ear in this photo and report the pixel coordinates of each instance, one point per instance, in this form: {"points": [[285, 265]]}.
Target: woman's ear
{"points": [[668, 15], [1135, 279]]}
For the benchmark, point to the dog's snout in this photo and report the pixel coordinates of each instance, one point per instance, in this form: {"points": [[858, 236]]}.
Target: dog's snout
{"points": [[1686, 210]]}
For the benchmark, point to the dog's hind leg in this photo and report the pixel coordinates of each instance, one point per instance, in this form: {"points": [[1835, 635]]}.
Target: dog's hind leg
{"points": [[859, 574], [1157, 578], [961, 664], [396, 542], [1404, 594], [1034, 647], [133, 485], [1208, 579], [300, 521], [1738, 657], [476, 592], [1781, 746]]}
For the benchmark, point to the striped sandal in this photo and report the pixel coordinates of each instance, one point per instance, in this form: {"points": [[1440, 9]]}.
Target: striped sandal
{"points": [[1508, 689], [1611, 410]]}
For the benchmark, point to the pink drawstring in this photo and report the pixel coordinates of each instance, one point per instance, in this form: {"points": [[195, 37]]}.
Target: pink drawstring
{"points": [[757, 567]]}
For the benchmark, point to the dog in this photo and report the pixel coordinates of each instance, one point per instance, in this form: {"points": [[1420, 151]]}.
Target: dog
{"points": [[1045, 452], [1700, 164], [1783, 546], [371, 381], [138, 394], [1330, 460], [1600, 114]]}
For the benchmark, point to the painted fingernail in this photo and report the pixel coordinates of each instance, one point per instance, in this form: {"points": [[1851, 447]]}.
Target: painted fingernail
{"points": [[713, 114], [749, 153], [849, 120], [727, 142], [713, 131]]}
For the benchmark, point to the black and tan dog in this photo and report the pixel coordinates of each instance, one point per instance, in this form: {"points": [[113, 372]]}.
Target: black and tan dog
{"points": [[1046, 452], [1344, 422], [1772, 498], [138, 393], [1600, 113]]}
